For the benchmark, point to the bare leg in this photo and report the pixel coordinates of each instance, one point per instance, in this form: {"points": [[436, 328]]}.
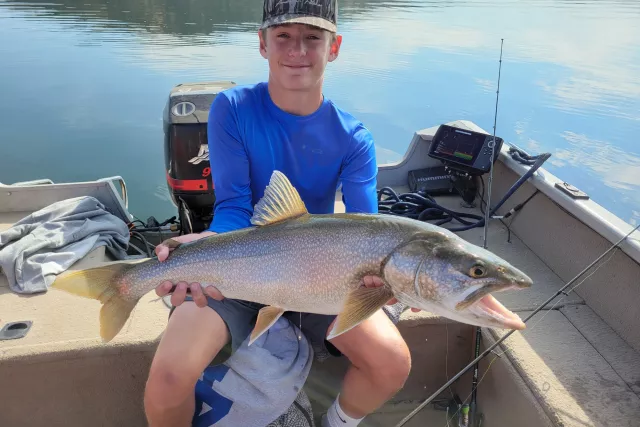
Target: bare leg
{"points": [[380, 364], [193, 337]]}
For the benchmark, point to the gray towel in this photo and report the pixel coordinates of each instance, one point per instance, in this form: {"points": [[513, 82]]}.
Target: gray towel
{"points": [[44, 244], [259, 384]]}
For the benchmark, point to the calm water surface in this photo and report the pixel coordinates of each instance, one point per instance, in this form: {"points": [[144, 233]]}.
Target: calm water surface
{"points": [[84, 82]]}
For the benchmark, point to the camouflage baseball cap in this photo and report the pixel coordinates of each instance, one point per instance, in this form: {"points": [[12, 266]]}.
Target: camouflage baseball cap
{"points": [[319, 13]]}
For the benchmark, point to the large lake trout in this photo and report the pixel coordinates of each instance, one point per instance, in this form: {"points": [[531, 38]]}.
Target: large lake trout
{"points": [[291, 260]]}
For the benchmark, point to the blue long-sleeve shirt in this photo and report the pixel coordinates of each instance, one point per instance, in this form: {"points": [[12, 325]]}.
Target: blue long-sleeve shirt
{"points": [[249, 137]]}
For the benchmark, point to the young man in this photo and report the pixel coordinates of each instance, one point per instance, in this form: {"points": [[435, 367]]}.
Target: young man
{"points": [[285, 124]]}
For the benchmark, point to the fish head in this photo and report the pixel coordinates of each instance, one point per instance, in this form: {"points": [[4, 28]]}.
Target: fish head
{"points": [[454, 278]]}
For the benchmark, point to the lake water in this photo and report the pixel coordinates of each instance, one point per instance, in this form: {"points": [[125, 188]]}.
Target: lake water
{"points": [[84, 82]]}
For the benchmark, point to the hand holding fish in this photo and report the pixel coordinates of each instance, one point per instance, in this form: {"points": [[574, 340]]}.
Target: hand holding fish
{"points": [[375, 281], [180, 293]]}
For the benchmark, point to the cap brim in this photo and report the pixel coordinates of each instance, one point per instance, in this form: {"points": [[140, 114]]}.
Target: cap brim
{"points": [[292, 18]]}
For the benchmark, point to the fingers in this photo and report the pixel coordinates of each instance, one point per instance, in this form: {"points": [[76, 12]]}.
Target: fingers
{"points": [[214, 293], [162, 252], [198, 297], [163, 249], [395, 300], [179, 294], [372, 281], [164, 288], [375, 281], [180, 291]]}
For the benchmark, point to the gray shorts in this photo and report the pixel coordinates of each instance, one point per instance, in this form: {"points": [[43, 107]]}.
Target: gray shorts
{"points": [[240, 317]]}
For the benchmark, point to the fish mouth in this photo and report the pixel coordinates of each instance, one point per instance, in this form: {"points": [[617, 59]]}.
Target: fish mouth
{"points": [[485, 311], [488, 306], [484, 305]]}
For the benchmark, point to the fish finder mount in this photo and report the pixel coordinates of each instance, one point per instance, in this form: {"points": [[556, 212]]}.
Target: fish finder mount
{"points": [[465, 154]]}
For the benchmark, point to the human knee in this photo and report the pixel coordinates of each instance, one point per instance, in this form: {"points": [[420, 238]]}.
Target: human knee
{"points": [[168, 383], [192, 339], [390, 368]]}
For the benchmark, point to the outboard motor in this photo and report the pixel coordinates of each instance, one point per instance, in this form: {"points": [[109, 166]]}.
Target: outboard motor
{"points": [[186, 152]]}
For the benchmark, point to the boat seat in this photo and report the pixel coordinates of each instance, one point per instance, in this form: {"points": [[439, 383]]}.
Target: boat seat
{"points": [[578, 369], [38, 194]]}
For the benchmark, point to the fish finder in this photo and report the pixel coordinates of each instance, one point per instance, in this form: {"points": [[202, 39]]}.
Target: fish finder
{"points": [[464, 150]]}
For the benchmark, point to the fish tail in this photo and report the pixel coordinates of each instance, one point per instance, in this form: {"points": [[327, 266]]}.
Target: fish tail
{"points": [[100, 283]]}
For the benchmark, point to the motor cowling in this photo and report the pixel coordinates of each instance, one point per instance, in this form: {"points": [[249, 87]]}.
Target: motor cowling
{"points": [[186, 152]]}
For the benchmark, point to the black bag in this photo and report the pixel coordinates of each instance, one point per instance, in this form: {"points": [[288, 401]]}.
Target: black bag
{"points": [[299, 414]]}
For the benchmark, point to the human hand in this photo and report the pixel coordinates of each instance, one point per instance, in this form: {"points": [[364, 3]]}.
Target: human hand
{"points": [[374, 282], [179, 290], [163, 249]]}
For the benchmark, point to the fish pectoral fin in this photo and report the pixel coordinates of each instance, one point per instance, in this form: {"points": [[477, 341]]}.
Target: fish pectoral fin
{"points": [[280, 202], [267, 316], [359, 306]]}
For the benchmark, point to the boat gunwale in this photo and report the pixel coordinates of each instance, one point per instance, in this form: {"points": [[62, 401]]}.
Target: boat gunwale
{"points": [[587, 211]]}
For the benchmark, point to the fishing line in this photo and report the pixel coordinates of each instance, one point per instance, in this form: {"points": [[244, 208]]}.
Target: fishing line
{"points": [[477, 385], [560, 291]]}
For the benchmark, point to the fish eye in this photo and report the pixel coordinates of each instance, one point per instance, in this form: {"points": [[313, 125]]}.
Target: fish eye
{"points": [[477, 271]]}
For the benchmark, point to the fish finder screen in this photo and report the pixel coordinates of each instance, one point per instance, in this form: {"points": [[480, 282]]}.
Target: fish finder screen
{"points": [[459, 145]]}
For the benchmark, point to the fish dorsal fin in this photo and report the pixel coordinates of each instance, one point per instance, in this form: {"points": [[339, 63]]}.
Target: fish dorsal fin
{"points": [[280, 202]]}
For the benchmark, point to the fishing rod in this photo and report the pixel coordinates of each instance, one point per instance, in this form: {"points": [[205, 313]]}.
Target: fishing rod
{"points": [[508, 334], [473, 405], [470, 412], [493, 152]]}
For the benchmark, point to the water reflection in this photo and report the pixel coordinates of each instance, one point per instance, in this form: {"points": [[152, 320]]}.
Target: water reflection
{"points": [[176, 17], [619, 169], [96, 74]]}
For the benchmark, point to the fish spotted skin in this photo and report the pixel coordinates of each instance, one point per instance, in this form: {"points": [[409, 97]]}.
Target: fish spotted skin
{"points": [[306, 264]]}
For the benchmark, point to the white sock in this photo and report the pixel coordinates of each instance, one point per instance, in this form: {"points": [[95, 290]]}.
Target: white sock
{"points": [[336, 417]]}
